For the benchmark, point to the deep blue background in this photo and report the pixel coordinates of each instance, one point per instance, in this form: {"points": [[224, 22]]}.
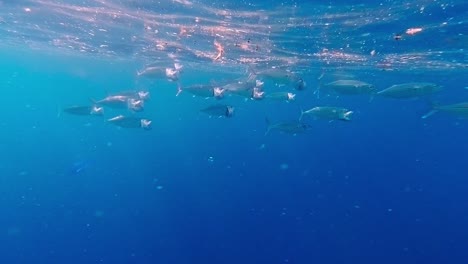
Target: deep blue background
{"points": [[388, 187]]}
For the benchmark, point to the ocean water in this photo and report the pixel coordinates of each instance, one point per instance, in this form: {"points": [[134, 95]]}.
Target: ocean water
{"points": [[386, 187]]}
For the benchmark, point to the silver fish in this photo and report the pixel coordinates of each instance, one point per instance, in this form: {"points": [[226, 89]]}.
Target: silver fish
{"points": [[85, 110], [410, 90], [203, 91], [219, 110], [122, 102], [282, 96], [139, 95], [280, 76], [350, 87], [131, 122], [160, 72], [328, 112], [254, 93], [290, 127], [459, 109]]}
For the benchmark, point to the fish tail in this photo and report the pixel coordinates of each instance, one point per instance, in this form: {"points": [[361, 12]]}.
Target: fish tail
{"points": [[433, 107], [430, 113], [252, 73], [179, 89], [267, 121], [347, 115], [302, 114], [319, 87]]}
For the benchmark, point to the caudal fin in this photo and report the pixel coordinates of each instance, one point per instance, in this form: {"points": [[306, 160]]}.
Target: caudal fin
{"points": [[302, 114], [179, 89], [347, 116], [433, 110], [430, 113], [252, 73], [267, 121]]}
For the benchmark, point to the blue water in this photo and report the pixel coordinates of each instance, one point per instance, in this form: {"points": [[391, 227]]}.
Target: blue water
{"points": [[386, 187]]}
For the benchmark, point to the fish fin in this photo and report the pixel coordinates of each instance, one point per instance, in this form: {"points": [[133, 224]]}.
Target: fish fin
{"points": [[302, 113], [268, 123], [178, 67], [430, 113], [179, 89], [433, 106], [347, 116], [59, 111], [252, 73], [319, 87]]}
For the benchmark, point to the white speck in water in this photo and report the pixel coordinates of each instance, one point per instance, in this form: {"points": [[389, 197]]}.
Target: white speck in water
{"points": [[284, 166], [210, 159], [159, 187]]}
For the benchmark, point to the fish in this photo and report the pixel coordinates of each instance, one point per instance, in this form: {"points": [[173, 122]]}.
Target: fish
{"points": [[458, 109], [85, 110], [290, 127], [131, 122], [328, 112], [410, 90], [121, 102], [350, 87], [203, 91], [241, 85], [161, 72], [279, 76], [219, 110], [139, 95], [281, 96], [254, 93]]}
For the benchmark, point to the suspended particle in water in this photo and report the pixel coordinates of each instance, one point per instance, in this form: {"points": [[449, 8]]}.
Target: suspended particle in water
{"points": [[98, 213], [210, 159], [284, 166]]}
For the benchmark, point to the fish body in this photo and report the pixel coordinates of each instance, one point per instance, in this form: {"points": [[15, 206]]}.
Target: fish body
{"points": [[219, 110], [252, 93], [114, 101], [130, 122], [239, 86], [409, 90], [204, 91], [458, 109], [279, 76], [138, 95], [281, 96], [85, 110], [122, 102], [328, 113], [350, 87], [160, 72], [290, 127]]}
